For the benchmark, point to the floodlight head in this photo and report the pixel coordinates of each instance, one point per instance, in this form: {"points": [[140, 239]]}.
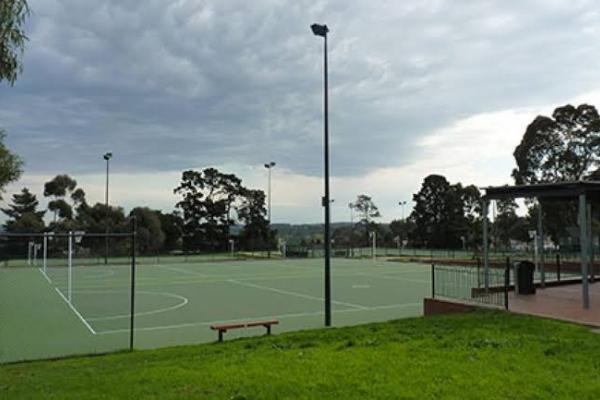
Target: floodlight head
{"points": [[319, 30], [107, 156], [270, 165]]}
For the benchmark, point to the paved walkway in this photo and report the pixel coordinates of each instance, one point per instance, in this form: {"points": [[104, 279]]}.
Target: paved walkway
{"points": [[560, 302]]}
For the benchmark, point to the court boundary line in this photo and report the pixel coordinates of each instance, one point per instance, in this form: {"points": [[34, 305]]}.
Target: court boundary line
{"points": [[140, 314], [45, 276], [224, 278], [280, 316], [296, 294], [76, 312]]}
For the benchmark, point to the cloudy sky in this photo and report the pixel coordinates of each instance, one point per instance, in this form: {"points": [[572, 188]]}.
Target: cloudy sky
{"points": [[416, 87]]}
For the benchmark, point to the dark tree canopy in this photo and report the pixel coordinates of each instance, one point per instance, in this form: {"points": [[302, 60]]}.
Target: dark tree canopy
{"points": [[59, 186], [367, 211], [13, 14], [565, 147], [256, 234], [23, 214], [10, 165], [445, 215], [150, 236]]}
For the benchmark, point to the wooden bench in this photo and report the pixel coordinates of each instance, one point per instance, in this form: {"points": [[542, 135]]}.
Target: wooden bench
{"points": [[222, 328]]}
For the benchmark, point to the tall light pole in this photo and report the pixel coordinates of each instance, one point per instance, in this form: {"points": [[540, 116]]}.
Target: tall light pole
{"points": [[322, 30], [351, 207], [107, 157], [402, 204], [269, 166]]}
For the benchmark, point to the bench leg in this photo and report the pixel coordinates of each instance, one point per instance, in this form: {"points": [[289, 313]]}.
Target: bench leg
{"points": [[268, 329], [221, 335]]}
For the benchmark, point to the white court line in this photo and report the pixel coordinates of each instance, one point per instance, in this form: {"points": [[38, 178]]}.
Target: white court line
{"points": [[185, 271], [76, 312], [282, 316], [152, 282], [138, 314], [306, 296], [45, 276], [394, 278]]}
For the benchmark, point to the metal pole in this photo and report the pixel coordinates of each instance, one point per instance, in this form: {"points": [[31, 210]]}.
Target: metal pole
{"points": [[433, 281], [269, 195], [558, 267], [540, 238], [45, 252], [132, 294], [590, 242], [326, 202], [351, 229], [107, 214], [374, 239], [506, 282], [486, 260], [70, 267], [583, 239]]}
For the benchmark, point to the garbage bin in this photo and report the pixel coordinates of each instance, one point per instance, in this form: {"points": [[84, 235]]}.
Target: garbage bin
{"points": [[525, 272]]}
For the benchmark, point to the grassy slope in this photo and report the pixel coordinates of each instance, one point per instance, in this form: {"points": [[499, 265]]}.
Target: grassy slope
{"points": [[488, 355]]}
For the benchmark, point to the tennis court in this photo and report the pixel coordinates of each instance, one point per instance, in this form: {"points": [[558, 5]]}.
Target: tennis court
{"points": [[176, 302]]}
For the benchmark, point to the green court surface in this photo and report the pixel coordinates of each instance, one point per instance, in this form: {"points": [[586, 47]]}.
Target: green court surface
{"points": [[176, 303]]}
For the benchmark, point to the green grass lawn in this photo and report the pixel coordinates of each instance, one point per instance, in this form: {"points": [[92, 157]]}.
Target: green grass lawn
{"points": [[480, 355]]}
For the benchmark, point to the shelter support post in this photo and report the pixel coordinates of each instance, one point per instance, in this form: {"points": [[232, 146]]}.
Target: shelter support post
{"points": [[584, 245], [590, 243], [486, 256], [540, 238]]}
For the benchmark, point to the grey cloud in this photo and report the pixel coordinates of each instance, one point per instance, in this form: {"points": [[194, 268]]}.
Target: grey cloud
{"points": [[168, 85]]}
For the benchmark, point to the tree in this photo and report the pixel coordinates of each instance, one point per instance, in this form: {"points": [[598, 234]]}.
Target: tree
{"points": [[58, 188], [150, 237], [445, 215], [565, 147], [402, 229], [10, 164], [13, 14], [367, 211], [207, 199], [23, 214], [256, 234], [508, 225], [172, 227]]}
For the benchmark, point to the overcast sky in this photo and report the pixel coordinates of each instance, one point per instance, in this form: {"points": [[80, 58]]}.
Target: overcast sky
{"points": [[416, 87]]}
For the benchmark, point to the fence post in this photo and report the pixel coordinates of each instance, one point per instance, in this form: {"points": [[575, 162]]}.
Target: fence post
{"points": [[478, 273], [558, 266], [506, 282], [433, 281], [132, 294]]}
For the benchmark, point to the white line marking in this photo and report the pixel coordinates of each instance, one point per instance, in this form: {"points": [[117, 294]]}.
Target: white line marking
{"points": [[75, 311], [306, 296], [184, 301], [185, 271], [103, 274], [282, 316], [45, 276]]}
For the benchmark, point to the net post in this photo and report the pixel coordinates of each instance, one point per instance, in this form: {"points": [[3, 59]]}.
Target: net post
{"points": [[432, 281], [132, 294], [506, 282], [558, 266], [70, 267], [45, 262]]}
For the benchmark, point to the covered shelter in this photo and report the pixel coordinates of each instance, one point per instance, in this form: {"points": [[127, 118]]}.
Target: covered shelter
{"points": [[584, 192]]}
